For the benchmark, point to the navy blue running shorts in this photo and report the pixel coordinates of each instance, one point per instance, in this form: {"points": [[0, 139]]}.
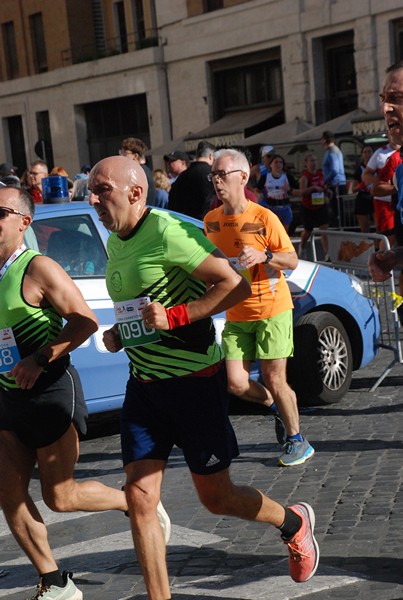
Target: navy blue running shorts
{"points": [[42, 417], [189, 412]]}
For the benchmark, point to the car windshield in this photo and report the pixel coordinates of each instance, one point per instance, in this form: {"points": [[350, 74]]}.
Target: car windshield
{"points": [[73, 242]]}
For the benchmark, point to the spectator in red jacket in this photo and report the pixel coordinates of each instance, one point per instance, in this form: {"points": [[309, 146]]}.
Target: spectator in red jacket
{"points": [[36, 172]]}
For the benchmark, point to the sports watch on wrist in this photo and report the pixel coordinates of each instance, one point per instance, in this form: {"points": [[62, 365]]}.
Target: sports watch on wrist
{"points": [[269, 256], [41, 359]]}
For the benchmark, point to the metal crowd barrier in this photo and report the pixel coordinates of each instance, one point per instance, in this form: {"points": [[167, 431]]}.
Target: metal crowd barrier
{"points": [[349, 252], [346, 217]]}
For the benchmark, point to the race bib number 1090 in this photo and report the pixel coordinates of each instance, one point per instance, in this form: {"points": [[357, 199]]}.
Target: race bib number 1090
{"points": [[9, 355], [132, 329]]}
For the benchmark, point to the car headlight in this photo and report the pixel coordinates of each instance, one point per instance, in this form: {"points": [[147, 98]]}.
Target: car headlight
{"points": [[357, 284]]}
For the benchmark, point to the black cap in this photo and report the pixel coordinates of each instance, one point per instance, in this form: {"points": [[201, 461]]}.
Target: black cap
{"points": [[85, 168], [11, 180], [176, 155], [7, 168]]}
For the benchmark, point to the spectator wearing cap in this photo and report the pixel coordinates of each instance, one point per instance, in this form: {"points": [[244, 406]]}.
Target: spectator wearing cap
{"points": [[78, 189], [7, 168], [266, 152], [84, 172], [333, 171], [8, 175], [192, 192], [36, 172], [260, 169], [85, 169], [135, 149], [177, 162], [11, 181]]}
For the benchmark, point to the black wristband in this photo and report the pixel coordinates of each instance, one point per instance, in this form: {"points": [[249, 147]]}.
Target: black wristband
{"points": [[41, 359]]}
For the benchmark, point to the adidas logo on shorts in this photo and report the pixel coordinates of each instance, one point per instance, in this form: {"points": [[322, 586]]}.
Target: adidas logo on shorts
{"points": [[213, 460]]}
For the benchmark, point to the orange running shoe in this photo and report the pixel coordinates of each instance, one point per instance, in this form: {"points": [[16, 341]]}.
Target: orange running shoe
{"points": [[303, 548]]}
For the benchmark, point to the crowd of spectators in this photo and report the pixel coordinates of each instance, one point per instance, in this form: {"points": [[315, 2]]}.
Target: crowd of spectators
{"points": [[301, 200]]}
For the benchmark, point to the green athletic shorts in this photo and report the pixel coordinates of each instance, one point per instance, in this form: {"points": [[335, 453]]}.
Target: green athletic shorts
{"points": [[265, 339]]}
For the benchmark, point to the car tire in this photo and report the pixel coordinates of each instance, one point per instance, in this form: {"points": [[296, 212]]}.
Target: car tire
{"points": [[320, 371]]}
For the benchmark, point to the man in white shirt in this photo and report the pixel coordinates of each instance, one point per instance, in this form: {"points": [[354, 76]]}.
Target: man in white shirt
{"points": [[384, 211], [381, 264]]}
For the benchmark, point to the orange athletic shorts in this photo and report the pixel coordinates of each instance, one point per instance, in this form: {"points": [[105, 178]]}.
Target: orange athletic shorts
{"points": [[384, 215]]}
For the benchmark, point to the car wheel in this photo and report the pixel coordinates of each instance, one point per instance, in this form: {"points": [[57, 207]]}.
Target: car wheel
{"points": [[321, 369]]}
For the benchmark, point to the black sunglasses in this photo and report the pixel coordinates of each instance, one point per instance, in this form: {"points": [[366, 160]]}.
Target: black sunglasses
{"points": [[4, 211]]}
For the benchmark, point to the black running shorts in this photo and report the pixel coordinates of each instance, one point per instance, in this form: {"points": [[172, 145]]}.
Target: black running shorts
{"points": [[42, 417], [189, 412], [314, 218]]}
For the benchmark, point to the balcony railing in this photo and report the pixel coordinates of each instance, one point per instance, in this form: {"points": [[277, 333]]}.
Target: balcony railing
{"points": [[112, 46]]}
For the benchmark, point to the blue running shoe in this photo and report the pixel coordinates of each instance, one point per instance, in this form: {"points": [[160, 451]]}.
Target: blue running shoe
{"points": [[295, 453]]}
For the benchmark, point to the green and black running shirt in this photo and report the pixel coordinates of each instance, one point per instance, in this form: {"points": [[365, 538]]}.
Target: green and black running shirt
{"points": [[157, 261], [32, 326]]}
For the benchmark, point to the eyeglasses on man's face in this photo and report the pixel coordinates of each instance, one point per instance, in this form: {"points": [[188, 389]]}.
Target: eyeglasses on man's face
{"points": [[5, 211], [222, 174], [36, 173]]}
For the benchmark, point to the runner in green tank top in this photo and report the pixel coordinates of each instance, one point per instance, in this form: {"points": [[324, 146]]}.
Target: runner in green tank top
{"points": [[41, 401], [166, 281], [157, 262], [32, 326]]}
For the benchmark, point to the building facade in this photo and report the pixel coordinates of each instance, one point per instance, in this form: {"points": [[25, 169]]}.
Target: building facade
{"points": [[77, 76]]}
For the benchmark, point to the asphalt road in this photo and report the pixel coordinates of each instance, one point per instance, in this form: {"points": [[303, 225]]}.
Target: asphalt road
{"points": [[354, 483]]}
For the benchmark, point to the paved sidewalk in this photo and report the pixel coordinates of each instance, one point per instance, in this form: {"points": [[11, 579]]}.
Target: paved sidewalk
{"points": [[354, 483]]}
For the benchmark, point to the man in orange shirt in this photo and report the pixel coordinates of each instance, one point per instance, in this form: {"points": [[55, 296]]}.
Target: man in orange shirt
{"points": [[261, 326]]}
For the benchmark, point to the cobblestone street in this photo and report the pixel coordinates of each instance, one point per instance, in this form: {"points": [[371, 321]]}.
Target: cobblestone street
{"points": [[354, 483]]}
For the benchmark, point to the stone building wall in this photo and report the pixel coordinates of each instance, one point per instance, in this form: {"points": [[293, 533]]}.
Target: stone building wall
{"points": [[175, 76]]}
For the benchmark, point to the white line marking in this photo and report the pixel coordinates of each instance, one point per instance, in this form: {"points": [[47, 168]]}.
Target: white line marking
{"points": [[107, 553], [265, 581], [48, 516], [94, 556]]}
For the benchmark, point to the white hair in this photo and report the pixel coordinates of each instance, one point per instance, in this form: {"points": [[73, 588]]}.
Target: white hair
{"points": [[239, 159]]}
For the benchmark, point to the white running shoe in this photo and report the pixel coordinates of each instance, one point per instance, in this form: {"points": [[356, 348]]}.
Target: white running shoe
{"points": [[165, 522], [163, 518], [53, 592]]}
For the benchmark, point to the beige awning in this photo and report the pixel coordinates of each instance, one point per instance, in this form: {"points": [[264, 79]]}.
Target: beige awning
{"points": [[231, 129], [282, 134], [167, 147], [338, 126], [371, 123]]}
